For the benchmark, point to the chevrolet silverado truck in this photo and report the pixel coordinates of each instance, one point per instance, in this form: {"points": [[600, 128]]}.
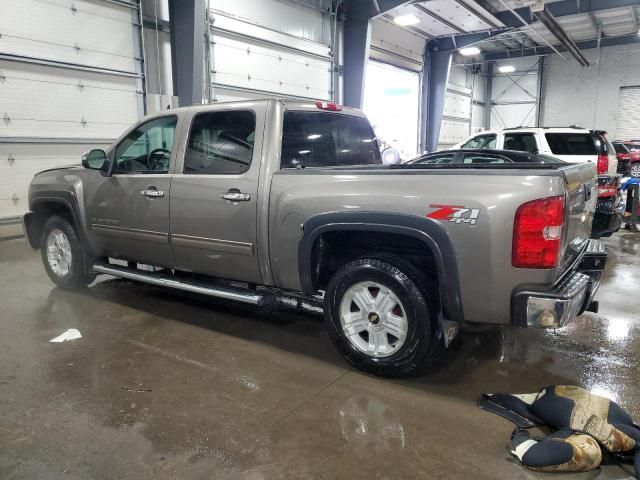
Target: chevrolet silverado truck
{"points": [[270, 202]]}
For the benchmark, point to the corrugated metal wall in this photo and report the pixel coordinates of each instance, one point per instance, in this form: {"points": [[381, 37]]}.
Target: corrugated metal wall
{"points": [[573, 95]]}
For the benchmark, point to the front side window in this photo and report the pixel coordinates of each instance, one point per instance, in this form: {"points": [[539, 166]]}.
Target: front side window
{"points": [[320, 139], [147, 149], [481, 141], [521, 142], [220, 143]]}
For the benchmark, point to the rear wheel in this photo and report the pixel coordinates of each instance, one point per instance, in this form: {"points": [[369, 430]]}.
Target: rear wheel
{"points": [[62, 254], [380, 315], [635, 170]]}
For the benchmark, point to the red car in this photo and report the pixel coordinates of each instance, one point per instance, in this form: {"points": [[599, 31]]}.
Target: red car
{"points": [[628, 153]]}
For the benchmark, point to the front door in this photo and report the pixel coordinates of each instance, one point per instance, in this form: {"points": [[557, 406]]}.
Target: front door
{"points": [[128, 212], [214, 195]]}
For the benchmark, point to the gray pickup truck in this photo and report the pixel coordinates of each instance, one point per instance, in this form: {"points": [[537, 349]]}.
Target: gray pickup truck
{"points": [[270, 201]]}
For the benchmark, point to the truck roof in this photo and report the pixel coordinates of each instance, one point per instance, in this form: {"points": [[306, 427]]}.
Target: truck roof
{"points": [[289, 104]]}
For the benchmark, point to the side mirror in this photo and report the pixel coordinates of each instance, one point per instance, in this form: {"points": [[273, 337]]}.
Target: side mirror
{"points": [[95, 159]]}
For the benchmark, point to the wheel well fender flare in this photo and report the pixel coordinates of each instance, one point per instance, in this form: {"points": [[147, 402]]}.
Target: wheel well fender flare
{"points": [[33, 228], [426, 230]]}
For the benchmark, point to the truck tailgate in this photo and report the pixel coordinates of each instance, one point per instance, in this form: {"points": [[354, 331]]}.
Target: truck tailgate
{"points": [[582, 194]]}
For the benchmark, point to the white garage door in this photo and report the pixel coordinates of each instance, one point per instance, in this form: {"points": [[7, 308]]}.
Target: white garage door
{"points": [[250, 61], [392, 103], [69, 81], [628, 127]]}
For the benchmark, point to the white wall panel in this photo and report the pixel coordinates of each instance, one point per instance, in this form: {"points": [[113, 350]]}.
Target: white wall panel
{"points": [[573, 95], [19, 162], [515, 95], [629, 113], [271, 58], [249, 64], [281, 16], [39, 101], [97, 34]]}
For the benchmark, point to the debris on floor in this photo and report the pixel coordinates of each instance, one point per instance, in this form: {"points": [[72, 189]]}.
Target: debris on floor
{"points": [[71, 334], [579, 423]]}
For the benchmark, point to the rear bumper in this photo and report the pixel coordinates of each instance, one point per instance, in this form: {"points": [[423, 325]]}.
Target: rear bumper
{"points": [[569, 297], [608, 217]]}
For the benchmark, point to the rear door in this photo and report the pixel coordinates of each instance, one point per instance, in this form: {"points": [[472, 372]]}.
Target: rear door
{"points": [[521, 142], [214, 193]]}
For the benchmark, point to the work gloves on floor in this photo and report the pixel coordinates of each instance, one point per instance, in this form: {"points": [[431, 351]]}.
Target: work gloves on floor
{"points": [[583, 425]]}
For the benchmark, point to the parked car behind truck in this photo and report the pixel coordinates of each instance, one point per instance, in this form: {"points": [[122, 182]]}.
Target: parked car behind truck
{"points": [[267, 200], [571, 144]]}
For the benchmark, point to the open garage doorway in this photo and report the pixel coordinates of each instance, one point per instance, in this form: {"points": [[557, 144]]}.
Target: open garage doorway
{"points": [[392, 103]]}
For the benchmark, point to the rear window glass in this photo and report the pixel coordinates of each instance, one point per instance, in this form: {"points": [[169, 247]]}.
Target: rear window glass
{"points": [[571, 143], [320, 139], [620, 148]]}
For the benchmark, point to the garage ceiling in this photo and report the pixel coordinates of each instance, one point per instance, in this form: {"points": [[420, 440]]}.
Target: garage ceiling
{"points": [[448, 18]]}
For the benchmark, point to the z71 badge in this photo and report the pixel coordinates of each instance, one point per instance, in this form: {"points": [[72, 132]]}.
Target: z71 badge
{"points": [[455, 214]]}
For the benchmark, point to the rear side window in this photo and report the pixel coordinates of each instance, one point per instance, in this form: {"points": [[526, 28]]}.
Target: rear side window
{"points": [[320, 139], [571, 143], [438, 158], [220, 143], [521, 142], [481, 141]]}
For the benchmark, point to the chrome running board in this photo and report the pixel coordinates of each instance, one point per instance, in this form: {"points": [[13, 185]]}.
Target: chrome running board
{"points": [[166, 280]]}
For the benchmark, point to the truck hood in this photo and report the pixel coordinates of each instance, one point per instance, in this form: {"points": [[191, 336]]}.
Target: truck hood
{"points": [[74, 167]]}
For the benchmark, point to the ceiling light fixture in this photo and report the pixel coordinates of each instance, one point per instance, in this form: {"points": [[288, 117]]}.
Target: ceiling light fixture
{"points": [[406, 20], [507, 69], [469, 51]]}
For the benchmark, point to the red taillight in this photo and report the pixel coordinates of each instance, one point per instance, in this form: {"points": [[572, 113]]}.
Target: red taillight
{"points": [[331, 106], [537, 233], [608, 186], [603, 163]]}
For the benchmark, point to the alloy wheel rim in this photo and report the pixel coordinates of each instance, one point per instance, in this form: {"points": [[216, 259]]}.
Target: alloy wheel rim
{"points": [[373, 319], [635, 171], [59, 252]]}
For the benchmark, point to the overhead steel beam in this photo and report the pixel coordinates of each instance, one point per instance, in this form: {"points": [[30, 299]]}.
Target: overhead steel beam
{"points": [[556, 29], [459, 41], [187, 49], [359, 9], [558, 9], [435, 76], [604, 42]]}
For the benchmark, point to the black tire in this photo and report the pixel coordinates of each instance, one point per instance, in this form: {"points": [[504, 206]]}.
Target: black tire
{"points": [[78, 275], [417, 296]]}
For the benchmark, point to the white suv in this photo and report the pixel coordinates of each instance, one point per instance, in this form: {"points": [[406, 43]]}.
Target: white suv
{"points": [[573, 144]]}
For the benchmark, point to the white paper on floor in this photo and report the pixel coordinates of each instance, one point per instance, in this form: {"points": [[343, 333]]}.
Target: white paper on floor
{"points": [[70, 334]]}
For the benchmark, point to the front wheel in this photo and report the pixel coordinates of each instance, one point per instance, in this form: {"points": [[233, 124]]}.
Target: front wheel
{"points": [[635, 170], [380, 315], [62, 254]]}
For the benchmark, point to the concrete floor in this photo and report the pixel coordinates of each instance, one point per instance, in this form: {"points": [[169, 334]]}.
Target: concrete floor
{"points": [[165, 385]]}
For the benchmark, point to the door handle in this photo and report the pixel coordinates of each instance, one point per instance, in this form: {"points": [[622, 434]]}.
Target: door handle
{"points": [[151, 192], [235, 195]]}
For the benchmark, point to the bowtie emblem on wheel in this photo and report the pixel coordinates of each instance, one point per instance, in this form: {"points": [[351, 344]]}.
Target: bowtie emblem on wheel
{"points": [[455, 213]]}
